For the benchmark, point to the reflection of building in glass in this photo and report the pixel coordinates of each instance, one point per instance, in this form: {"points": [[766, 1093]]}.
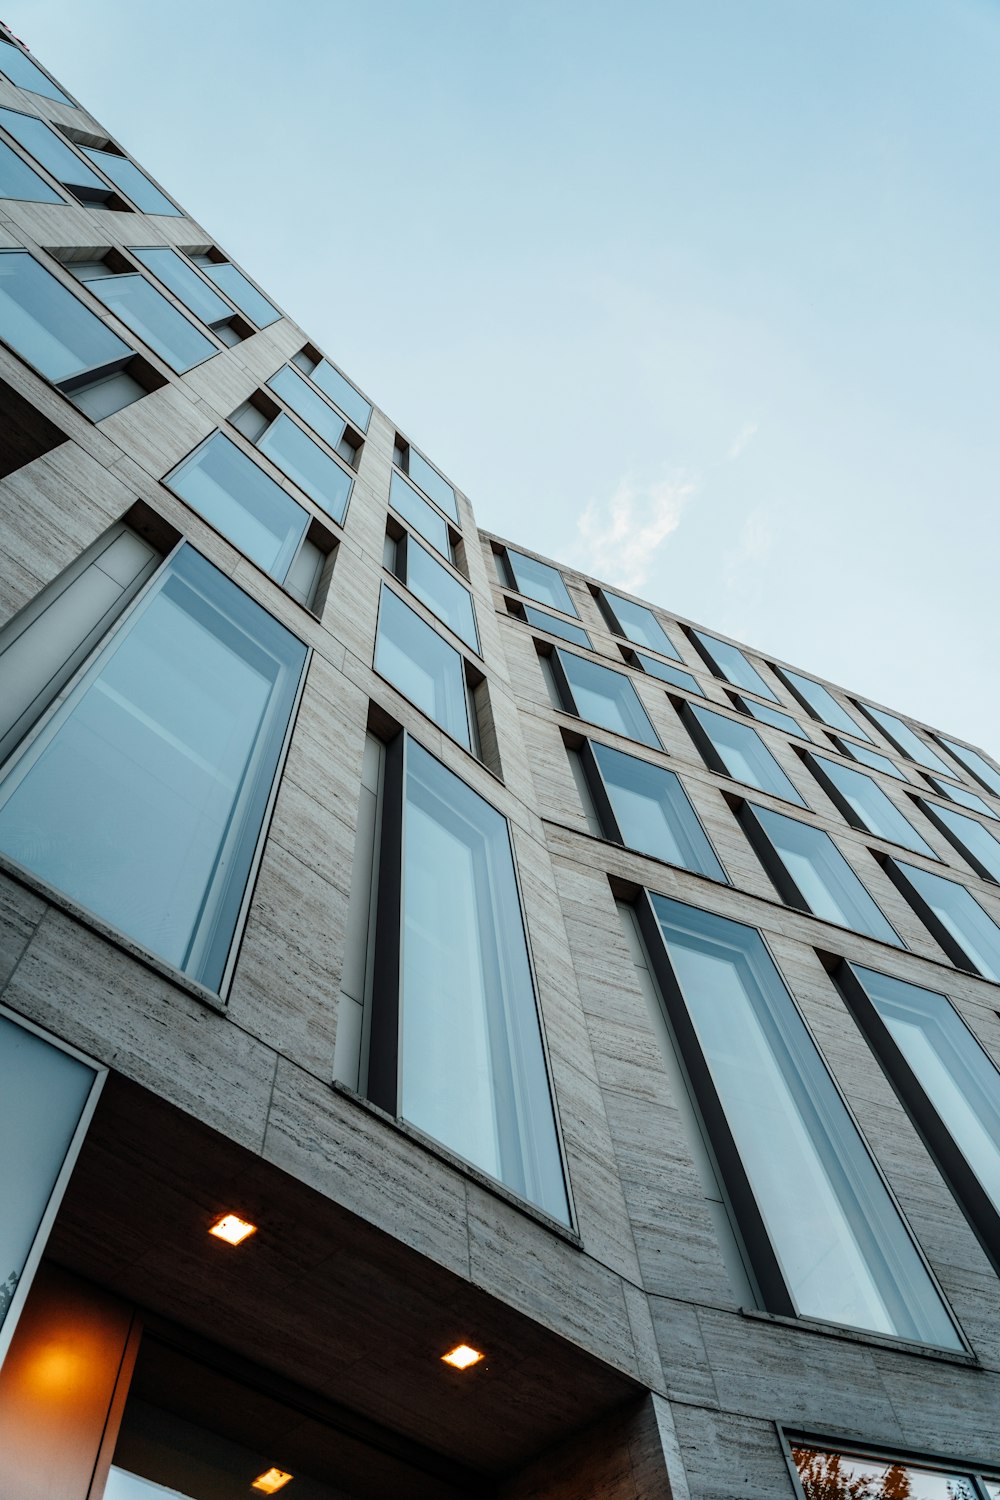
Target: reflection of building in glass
{"points": [[464, 1031]]}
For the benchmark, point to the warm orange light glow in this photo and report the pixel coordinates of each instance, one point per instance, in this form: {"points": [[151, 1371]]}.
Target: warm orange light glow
{"points": [[234, 1231], [273, 1480], [462, 1356]]}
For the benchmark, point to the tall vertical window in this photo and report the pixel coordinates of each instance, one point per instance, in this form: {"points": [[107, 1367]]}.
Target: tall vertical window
{"points": [[539, 581], [636, 623], [431, 482], [437, 588], [456, 1046], [811, 873], [980, 846], [419, 514], [181, 278], [239, 289], [865, 805], [602, 696], [422, 665], [46, 1095], [133, 182], [976, 763], [222, 484], [52, 151], [18, 180], [906, 740], [821, 703], [45, 324], [143, 796], [866, 757], [542, 620], [338, 388], [142, 308], [736, 750], [954, 917], [26, 75], [963, 796], [946, 1081], [776, 717], [666, 673], [822, 1232], [309, 405], [728, 661], [645, 807]]}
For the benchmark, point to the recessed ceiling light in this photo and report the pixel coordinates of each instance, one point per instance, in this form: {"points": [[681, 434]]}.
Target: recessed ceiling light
{"points": [[271, 1482], [462, 1356], [234, 1231]]}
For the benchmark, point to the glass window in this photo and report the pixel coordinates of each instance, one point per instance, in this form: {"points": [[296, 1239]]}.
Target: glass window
{"points": [[976, 763], [430, 481], [821, 703], [829, 1242], [637, 624], [865, 805], [934, 1048], [180, 277], [954, 916], [737, 750], [905, 740], [144, 795], [52, 151], [471, 1070], [729, 662], [44, 1091], [315, 472], [543, 621], [871, 758], [222, 484], [17, 180], [962, 795], [980, 847], [825, 1475], [134, 184], [425, 669], [300, 396], [25, 75], [603, 697], [241, 291], [440, 591], [153, 319], [645, 807], [422, 517], [773, 716], [340, 390], [45, 324], [666, 673], [538, 581], [810, 872]]}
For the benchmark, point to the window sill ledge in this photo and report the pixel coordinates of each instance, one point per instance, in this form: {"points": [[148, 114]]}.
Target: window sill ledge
{"points": [[481, 1179], [864, 1336], [86, 918]]}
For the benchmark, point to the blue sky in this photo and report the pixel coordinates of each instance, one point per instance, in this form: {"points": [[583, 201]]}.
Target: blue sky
{"points": [[702, 297]]}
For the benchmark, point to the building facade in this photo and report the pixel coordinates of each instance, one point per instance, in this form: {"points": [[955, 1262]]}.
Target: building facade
{"points": [[411, 946]]}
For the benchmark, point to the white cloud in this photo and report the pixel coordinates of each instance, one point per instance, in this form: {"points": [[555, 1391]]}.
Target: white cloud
{"points": [[743, 439], [620, 537]]}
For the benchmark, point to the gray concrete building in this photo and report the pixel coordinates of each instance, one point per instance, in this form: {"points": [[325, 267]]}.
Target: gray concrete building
{"points": [[412, 948]]}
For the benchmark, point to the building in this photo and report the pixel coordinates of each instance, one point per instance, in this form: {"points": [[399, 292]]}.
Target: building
{"points": [[535, 971]]}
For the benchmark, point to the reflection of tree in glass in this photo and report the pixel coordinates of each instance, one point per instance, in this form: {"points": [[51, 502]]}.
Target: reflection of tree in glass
{"points": [[833, 1476], [7, 1289]]}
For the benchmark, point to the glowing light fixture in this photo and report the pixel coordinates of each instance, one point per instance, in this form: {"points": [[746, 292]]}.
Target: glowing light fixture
{"points": [[271, 1482], [462, 1357], [234, 1231]]}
